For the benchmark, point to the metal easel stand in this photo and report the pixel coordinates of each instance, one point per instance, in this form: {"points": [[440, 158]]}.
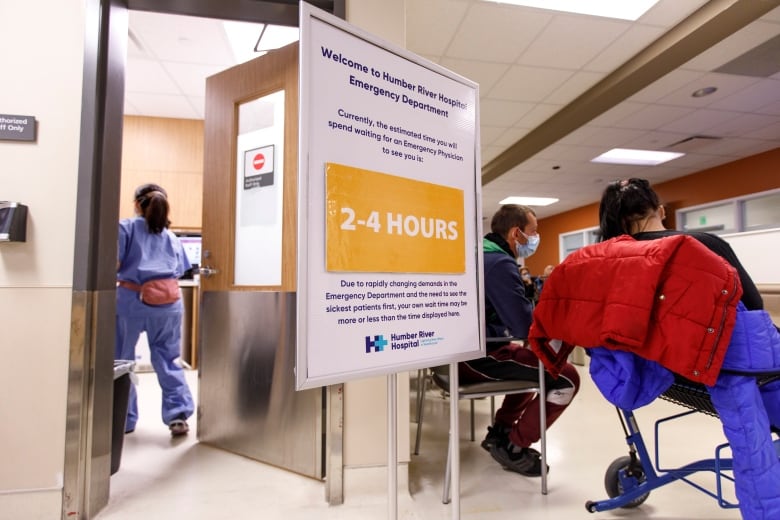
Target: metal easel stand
{"points": [[392, 447]]}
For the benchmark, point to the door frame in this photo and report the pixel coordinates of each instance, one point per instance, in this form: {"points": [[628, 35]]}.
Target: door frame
{"points": [[86, 471]]}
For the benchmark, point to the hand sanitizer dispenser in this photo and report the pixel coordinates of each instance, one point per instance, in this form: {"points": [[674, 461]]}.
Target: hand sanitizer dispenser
{"points": [[13, 222]]}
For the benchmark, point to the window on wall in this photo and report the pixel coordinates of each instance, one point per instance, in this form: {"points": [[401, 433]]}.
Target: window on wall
{"points": [[748, 213], [762, 212], [718, 218], [570, 242]]}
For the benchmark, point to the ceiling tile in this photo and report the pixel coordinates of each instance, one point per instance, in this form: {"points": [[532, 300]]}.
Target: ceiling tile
{"points": [[756, 97], [736, 147], [668, 13], [618, 113], [610, 137], [744, 123], [484, 73], [574, 87], [149, 76], [431, 24], [670, 82], [522, 83], [623, 48], [554, 44], [699, 160], [653, 117], [769, 133], [191, 78], [772, 108], [194, 40], [496, 32], [503, 113], [700, 121]]}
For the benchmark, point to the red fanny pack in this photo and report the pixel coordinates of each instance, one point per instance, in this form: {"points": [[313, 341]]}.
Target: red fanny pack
{"points": [[155, 292]]}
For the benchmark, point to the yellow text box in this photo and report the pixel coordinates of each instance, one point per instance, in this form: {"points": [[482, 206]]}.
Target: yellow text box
{"points": [[377, 222]]}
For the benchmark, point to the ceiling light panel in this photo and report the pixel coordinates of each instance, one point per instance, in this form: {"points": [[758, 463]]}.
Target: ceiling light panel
{"points": [[530, 201], [620, 9], [637, 157]]}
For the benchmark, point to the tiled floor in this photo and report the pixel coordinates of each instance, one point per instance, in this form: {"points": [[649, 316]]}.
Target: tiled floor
{"points": [[161, 478]]}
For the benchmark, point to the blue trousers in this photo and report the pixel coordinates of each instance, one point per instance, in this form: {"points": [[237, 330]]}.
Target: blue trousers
{"points": [[164, 335]]}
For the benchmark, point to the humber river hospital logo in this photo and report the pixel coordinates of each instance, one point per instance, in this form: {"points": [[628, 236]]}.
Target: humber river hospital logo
{"points": [[377, 344], [402, 340]]}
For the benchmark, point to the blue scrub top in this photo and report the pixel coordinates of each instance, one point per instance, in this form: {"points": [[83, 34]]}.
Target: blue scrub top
{"points": [[146, 256]]}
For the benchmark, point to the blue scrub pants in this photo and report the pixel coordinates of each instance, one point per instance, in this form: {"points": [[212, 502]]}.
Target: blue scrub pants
{"points": [[164, 334]]}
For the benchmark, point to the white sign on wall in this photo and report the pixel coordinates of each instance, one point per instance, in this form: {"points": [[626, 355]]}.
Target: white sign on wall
{"points": [[389, 226]]}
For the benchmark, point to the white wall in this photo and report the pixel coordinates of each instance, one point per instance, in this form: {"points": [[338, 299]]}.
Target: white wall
{"points": [[758, 252], [41, 70]]}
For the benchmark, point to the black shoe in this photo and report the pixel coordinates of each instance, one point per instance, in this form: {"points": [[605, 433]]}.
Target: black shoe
{"points": [[496, 436], [527, 461]]}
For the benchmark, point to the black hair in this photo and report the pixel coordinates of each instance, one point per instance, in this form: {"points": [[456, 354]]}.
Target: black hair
{"points": [[624, 202], [153, 201], [509, 216]]}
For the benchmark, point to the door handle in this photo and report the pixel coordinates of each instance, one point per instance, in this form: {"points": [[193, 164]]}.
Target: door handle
{"points": [[207, 271]]}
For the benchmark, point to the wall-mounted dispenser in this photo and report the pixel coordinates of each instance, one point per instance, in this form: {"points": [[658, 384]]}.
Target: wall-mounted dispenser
{"points": [[13, 222]]}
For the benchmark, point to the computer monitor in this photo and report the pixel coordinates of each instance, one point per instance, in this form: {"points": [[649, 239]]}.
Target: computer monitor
{"points": [[192, 248]]}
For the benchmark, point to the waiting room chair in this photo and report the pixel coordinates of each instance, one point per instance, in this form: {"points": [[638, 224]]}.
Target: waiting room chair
{"points": [[440, 377]]}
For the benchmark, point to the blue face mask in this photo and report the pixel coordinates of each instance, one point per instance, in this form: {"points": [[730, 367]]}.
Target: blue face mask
{"points": [[526, 250]]}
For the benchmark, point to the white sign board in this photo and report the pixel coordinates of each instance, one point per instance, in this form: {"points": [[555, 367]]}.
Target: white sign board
{"points": [[389, 223]]}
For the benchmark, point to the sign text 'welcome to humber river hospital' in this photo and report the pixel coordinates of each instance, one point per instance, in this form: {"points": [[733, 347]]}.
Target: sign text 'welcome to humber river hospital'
{"points": [[389, 265]]}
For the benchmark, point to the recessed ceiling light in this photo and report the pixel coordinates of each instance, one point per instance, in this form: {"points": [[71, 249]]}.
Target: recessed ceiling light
{"points": [[621, 9], [640, 157], [706, 91], [529, 201]]}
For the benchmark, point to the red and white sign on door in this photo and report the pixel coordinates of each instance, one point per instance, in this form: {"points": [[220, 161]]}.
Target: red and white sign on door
{"points": [[258, 167]]}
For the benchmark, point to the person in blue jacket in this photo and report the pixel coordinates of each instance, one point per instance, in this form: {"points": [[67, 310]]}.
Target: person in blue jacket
{"points": [[148, 250], [508, 314]]}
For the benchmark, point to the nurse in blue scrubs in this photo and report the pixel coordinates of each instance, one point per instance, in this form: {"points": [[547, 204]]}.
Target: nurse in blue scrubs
{"points": [[148, 250]]}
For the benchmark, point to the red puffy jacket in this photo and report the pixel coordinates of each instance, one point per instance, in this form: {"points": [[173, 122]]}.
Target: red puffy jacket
{"points": [[670, 300]]}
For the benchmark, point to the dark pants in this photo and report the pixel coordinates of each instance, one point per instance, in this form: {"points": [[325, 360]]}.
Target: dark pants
{"points": [[520, 412]]}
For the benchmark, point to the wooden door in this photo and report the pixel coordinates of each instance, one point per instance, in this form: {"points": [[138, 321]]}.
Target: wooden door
{"points": [[247, 398]]}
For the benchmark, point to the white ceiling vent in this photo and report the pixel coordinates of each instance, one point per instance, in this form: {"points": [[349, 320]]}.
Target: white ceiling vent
{"points": [[690, 144]]}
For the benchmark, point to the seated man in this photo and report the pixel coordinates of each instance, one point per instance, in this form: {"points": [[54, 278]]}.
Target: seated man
{"points": [[508, 314]]}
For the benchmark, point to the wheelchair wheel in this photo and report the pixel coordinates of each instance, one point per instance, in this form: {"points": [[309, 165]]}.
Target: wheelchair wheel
{"points": [[612, 479]]}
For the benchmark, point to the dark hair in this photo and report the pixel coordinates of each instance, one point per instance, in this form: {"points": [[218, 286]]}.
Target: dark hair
{"points": [[624, 202], [509, 216], [153, 201]]}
